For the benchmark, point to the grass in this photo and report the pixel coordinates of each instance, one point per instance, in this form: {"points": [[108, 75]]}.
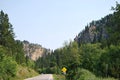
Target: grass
{"points": [[58, 77], [84, 74], [23, 73]]}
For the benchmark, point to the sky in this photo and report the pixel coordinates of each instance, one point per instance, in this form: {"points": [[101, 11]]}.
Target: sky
{"points": [[52, 22]]}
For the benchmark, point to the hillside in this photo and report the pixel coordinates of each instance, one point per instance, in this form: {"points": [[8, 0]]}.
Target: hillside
{"points": [[96, 31], [14, 65]]}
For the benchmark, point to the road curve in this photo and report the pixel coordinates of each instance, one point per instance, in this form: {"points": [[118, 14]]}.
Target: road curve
{"points": [[42, 77]]}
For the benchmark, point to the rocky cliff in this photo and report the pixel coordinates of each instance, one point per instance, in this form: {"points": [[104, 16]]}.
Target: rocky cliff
{"points": [[96, 31], [34, 51]]}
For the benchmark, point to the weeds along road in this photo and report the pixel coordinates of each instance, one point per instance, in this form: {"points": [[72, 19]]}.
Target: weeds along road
{"points": [[42, 77]]}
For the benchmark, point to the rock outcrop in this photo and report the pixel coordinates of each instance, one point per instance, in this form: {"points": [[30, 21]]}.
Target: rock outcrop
{"points": [[34, 51]]}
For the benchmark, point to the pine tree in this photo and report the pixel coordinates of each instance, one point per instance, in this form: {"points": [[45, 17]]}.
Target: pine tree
{"points": [[115, 29], [6, 32]]}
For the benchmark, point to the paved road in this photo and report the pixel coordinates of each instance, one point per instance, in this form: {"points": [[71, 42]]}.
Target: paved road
{"points": [[42, 77]]}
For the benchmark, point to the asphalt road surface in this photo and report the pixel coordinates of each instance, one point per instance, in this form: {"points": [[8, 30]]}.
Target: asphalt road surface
{"points": [[42, 77]]}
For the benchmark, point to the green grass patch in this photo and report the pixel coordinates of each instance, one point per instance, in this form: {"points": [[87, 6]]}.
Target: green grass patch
{"points": [[84, 74], [23, 73], [58, 77]]}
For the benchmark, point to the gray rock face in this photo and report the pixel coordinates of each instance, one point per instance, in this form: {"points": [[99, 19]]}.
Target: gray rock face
{"points": [[34, 51]]}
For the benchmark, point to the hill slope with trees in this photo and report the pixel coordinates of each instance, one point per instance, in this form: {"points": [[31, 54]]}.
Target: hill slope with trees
{"points": [[94, 54], [12, 56]]}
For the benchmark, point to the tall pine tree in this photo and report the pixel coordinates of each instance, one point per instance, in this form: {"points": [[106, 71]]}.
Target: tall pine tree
{"points": [[6, 33]]}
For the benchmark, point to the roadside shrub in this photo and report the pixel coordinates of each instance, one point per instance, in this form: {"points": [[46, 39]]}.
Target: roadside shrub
{"points": [[8, 66], [84, 74]]}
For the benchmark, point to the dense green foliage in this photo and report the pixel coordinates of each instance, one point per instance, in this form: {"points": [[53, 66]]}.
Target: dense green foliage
{"points": [[8, 66], [89, 60], [11, 50]]}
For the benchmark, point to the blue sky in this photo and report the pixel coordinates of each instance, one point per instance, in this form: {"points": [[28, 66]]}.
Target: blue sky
{"points": [[52, 22]]}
